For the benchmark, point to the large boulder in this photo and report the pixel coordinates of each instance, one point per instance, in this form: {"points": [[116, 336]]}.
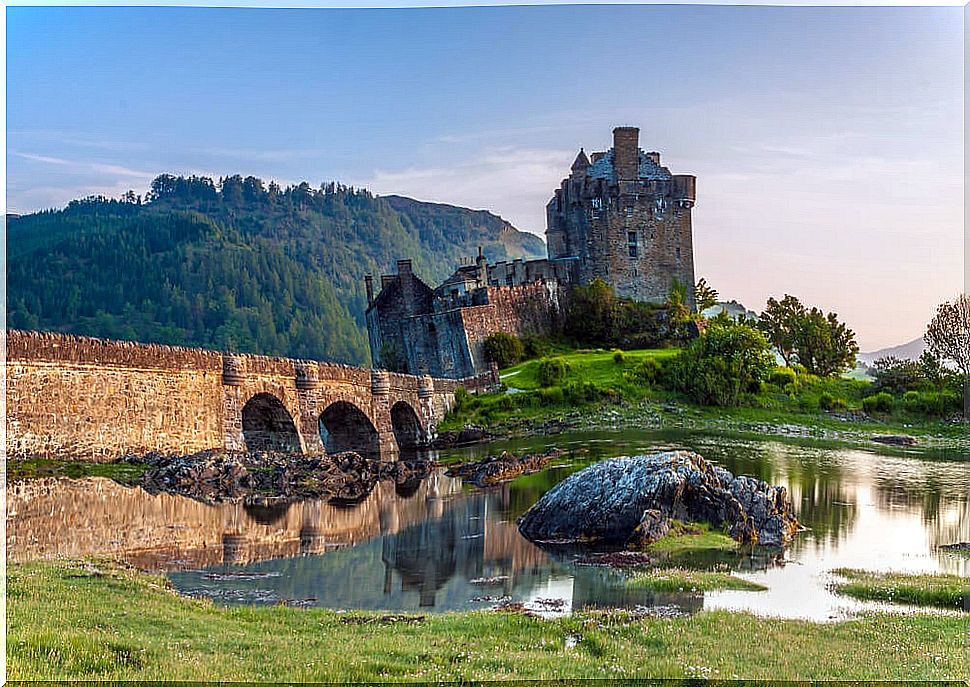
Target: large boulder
{"points": [[631, 501]]}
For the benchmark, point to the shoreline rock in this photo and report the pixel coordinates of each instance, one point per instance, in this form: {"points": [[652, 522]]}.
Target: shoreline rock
{"points": [[261, 476], [631, 502], [894, 439], [502, 468]]}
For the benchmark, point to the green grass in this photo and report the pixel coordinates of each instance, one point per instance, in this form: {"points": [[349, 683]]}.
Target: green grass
{"points": [[692, 538], [68, 620], [599, 392], [595, 366], [943, 591], [681, 579], [126, 473]]}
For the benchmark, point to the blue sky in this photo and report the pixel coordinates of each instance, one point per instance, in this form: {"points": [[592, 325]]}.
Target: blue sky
{"points": [[827, 142]]}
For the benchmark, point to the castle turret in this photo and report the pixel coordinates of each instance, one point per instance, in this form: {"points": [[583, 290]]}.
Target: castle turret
{"points": [[581, 164], [626, 152]]}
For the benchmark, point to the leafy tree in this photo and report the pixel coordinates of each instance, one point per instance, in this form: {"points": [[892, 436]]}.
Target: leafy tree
{"points": [[726, 362], [818, 341], [895, 375], [780, 323], [591, 314], [825, 346], [705, 296], [679, 315], [948, 339], [503, 349]]}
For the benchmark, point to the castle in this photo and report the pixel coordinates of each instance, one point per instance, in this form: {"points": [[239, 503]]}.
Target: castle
{"points": [[619, 216]]}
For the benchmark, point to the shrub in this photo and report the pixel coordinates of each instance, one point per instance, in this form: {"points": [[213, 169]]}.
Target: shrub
{"points": [[551, 371], [939, 403], [503, 349], [581, 392], [878, 403], [536, 347], [551, 396], [829, 402], [647, 372], [464, 400], [782, 377], [895, 376], [729, 360], [618, 357]]}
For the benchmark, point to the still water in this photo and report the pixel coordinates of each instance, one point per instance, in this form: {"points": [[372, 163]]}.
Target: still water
{"points": [[436, 545]]}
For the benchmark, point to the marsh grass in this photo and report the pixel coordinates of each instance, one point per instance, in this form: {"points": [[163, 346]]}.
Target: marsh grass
{"points": [[943, 591], [98, 621], [692, 538], [28, 468], [684, 580]]}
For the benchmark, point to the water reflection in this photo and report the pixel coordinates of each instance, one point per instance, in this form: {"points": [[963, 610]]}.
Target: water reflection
{"points": [[433, 545]]}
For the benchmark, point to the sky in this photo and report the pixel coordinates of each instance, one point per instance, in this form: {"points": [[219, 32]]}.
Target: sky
{"points": [[827, 142]]}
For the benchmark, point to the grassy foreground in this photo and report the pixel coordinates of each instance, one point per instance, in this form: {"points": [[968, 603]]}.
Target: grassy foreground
{"points": [[74, 620], [944, 591]]}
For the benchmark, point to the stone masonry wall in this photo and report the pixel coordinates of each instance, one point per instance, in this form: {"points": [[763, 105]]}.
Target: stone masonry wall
{"points": [[95, 400]]}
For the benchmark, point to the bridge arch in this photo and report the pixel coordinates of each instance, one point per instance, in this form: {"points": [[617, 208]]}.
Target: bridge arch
{"points": [[268, 426], [345, 427], [406, 424]]}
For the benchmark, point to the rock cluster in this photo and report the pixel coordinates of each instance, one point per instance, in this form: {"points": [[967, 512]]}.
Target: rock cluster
{"points": [[631, 501], [495, 469], [468, 435], [253, 476]]}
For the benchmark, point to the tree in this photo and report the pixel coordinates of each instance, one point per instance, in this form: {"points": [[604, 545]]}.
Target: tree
{"points": [[591, 313], [814, 339], [503, 349], [678, 313], [948, 338], [705, 296], [780, 323], [825, 346], [895, 375]]}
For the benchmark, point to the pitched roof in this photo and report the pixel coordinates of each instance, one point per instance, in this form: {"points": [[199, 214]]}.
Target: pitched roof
{"points": [[649, 170], [582, 162]]}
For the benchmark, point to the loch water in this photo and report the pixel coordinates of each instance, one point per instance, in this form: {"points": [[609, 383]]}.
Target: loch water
{"points": [[437, 545]]}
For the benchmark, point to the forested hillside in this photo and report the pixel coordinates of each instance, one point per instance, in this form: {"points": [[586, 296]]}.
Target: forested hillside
{"points": [[236, 265]]}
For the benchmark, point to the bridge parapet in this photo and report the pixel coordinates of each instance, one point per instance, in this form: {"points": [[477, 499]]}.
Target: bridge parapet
{"points": [[97, 399]]}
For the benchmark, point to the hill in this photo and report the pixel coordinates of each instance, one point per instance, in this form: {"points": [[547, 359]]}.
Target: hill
{"points": [[911, 350], [236, 265]]}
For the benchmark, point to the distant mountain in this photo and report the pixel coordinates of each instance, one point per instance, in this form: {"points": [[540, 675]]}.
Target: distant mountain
{"points": [[907, 351], [236, 264]]}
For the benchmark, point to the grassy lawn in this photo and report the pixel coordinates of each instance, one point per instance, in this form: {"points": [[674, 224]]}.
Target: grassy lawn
{"points": [[71, 620], [944, 591], [680, 579], [596, 366]]}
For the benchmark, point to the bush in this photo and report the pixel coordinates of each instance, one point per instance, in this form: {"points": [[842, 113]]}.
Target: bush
{"points": [[895, 376], [647, 372], [618, 357], [551, 397], [582, 392], [503, 349], [718, 368], [939, 403], [551, 371], [878, 403], [829, 402], [536, 347], [782, 377], [464, 400]]}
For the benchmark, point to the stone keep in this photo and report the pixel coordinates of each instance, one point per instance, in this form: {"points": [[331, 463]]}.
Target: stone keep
{"points": [[625, 219]]}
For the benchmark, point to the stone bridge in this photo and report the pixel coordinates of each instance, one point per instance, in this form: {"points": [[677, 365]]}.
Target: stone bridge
{"points": [[95, 399]]}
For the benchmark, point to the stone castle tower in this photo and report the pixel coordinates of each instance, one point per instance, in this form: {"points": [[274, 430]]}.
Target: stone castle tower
{"points": [[626, 219]]}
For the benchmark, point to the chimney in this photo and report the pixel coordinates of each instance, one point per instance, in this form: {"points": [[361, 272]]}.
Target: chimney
{"points": [[482, 267], [654, 156], [626, 153], [369, 285], [406, 276]]}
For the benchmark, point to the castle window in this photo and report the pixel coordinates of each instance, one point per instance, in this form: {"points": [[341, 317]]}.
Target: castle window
{"points": [[508, 279], [631, 243], [678, 252], [597, 203]]}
